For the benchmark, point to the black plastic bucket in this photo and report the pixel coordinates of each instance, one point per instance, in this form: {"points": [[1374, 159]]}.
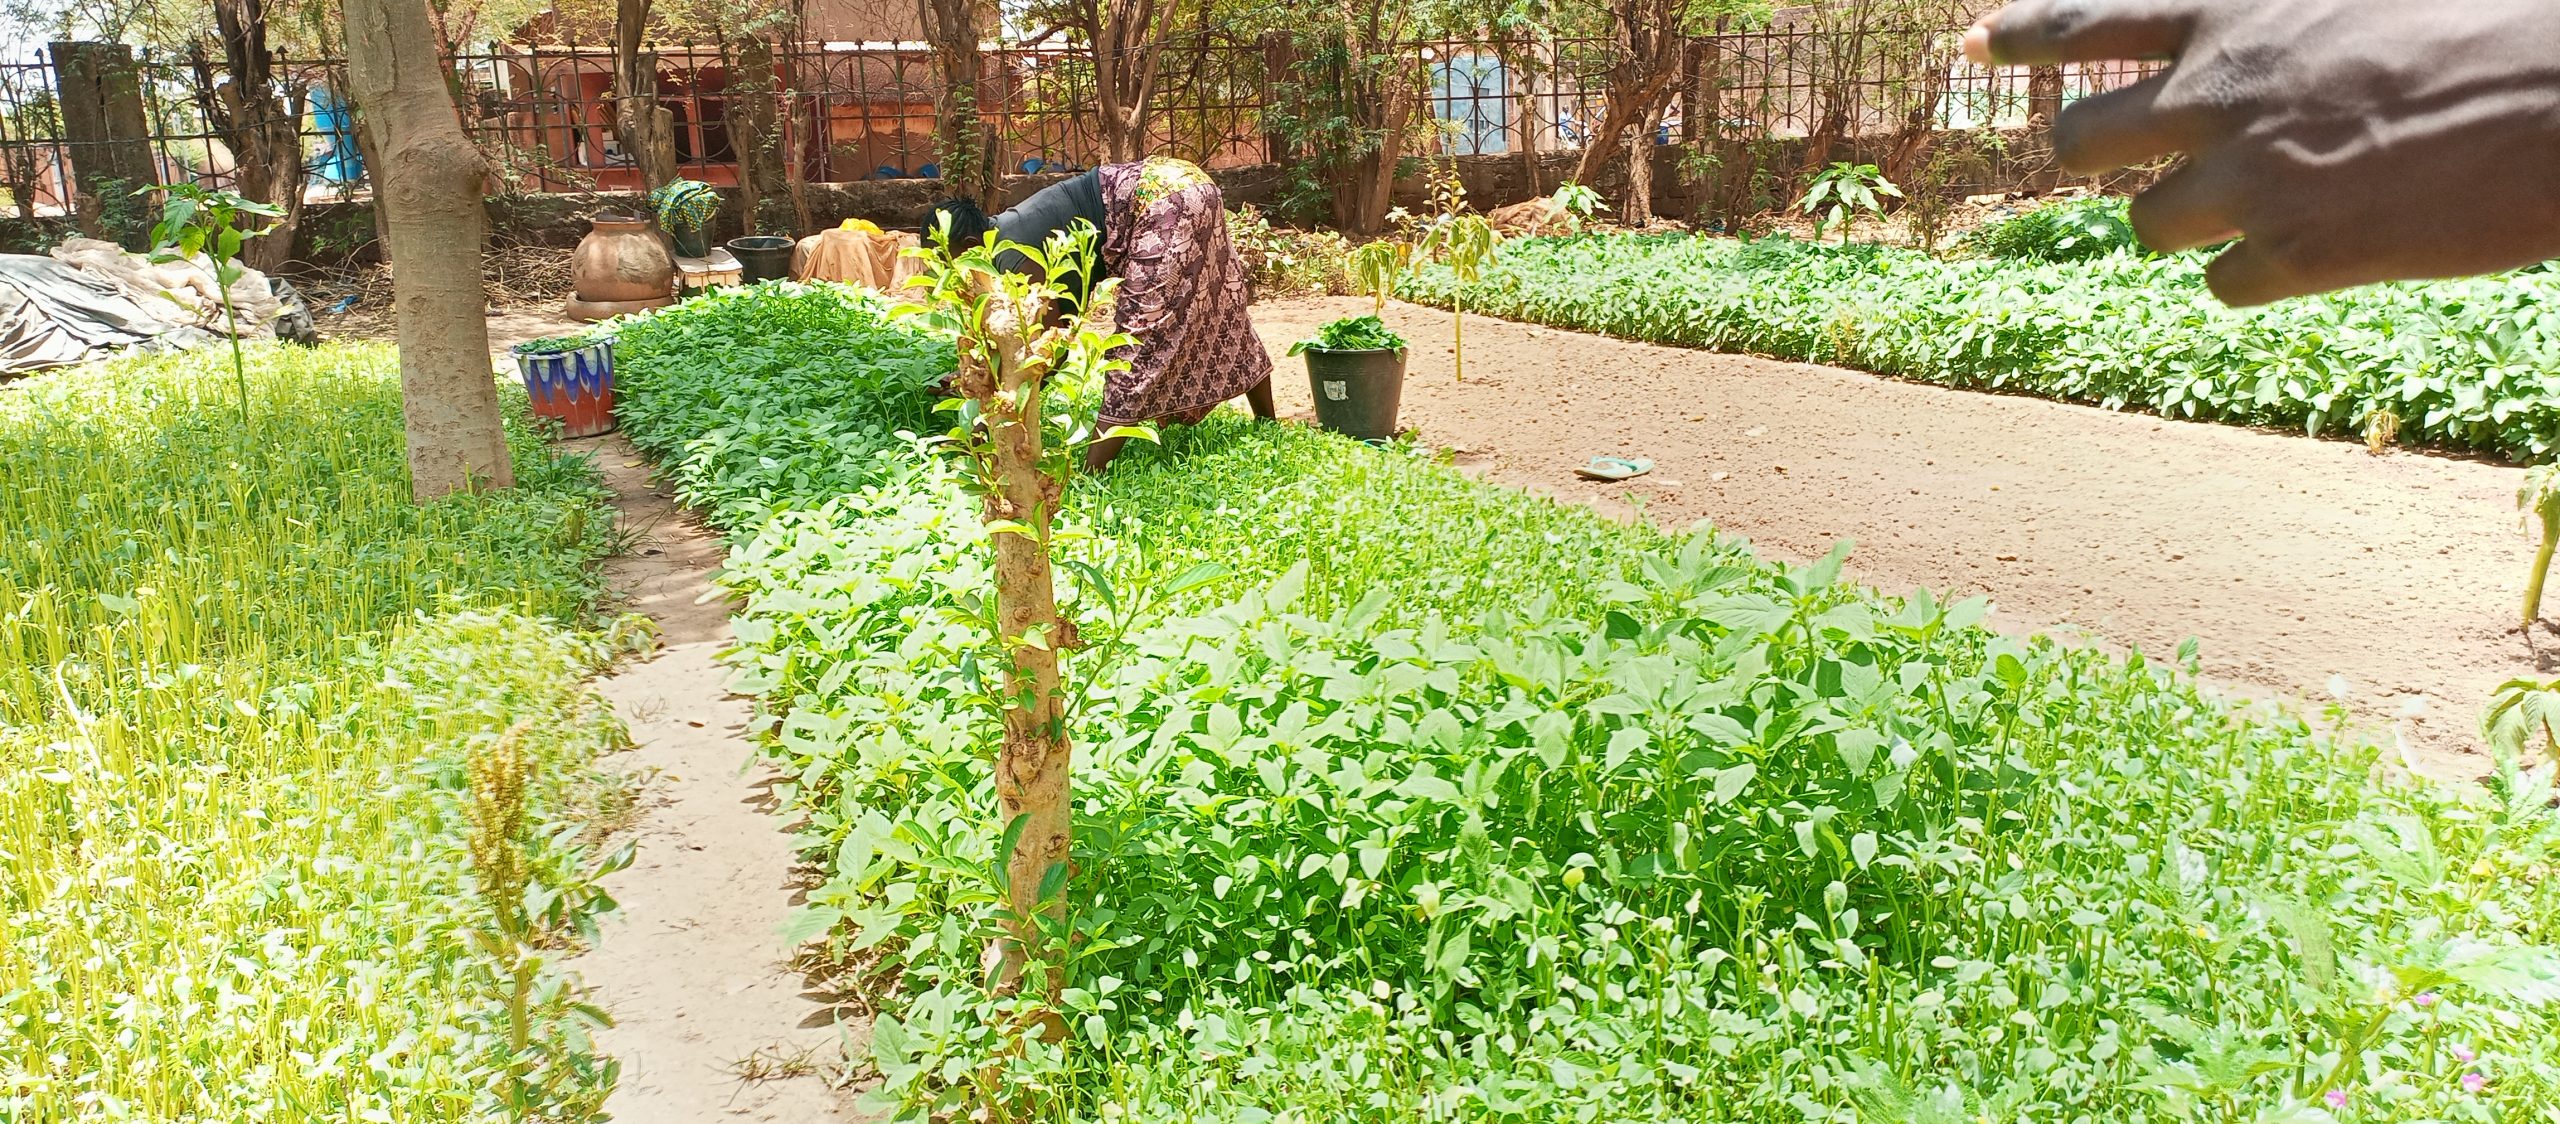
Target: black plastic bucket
{"points": [[1357, 392], [689, 241], [762, 257]]}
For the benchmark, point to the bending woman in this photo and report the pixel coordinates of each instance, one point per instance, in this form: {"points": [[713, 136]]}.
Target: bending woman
{"points": [[1183, 294]]}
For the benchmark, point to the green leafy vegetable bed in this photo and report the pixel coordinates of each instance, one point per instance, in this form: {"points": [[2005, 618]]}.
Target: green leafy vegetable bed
{"points": [[240, 675], [2464, 364], [1431, 801]]}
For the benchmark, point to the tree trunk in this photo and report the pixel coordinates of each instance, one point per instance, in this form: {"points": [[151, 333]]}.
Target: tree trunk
{"points": [[795, 172], [1911, 143], [260, 123], [1279, 56], [1697, 122], [2044, 96], [1641, 79], [1640, 148], [1031, 771], [371, 150], [1528, 72], [803, 126], [2044, 103], [1373, 100], [961, 144], [1377, 196], [429, 184], [646, 130], [752, 113], [22, 162], [999, 370], [1128, 38], [105, 133], [1703, 120]]}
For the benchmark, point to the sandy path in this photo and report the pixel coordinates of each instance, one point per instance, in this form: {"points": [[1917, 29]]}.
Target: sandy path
{"points": [[2291, 560], [713, 1023]]}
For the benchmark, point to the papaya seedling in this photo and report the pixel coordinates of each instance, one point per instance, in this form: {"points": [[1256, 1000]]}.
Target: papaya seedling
{"points": [[2539, 499], [195, 219], [1466, 243], [1843, 192], [1375, 269], [2522, 716]]}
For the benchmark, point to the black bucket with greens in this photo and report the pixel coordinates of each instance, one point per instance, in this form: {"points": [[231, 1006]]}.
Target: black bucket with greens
{"points": [[1357, 367]]}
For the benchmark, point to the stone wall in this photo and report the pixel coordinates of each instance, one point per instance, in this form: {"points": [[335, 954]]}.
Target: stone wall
{"points": [[335, 233], [331, 231]]}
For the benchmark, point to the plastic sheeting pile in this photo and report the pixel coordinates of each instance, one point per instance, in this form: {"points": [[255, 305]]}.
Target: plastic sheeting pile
{"points": [[91, 297]]}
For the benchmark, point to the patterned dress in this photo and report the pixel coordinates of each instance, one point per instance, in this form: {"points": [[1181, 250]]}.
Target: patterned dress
{"points": [[1183, 296]]}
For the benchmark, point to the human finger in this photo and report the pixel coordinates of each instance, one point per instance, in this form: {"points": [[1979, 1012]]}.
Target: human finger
{"points": [[2197, 205], [2250, 274], [2049, 32], [2140, 122]]}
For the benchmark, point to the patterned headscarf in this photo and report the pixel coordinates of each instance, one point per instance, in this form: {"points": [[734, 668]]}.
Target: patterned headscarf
{"points": [[685, 204]]}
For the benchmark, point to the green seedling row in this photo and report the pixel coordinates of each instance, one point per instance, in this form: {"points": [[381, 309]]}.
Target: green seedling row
{"points": [[1404, 798]]}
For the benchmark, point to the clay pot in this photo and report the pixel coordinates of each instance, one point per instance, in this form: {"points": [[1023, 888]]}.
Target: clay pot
{"points": [[622, 260]]}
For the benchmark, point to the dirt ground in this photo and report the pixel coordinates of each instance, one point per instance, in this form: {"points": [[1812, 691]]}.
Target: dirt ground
{"points": [[711, 1019], [2292, 561]]}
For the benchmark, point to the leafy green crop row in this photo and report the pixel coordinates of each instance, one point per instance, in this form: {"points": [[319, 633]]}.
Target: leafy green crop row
{"points": [[768, 393], [2464, 364], [1447, 803], [240, 673]]}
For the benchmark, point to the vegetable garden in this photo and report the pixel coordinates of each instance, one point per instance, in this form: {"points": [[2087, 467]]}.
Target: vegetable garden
{"points": [[1267, 773], [1408, 798], [1401, 797]]}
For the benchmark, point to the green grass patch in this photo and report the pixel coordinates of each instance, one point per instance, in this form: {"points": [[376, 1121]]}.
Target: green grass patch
{"points": [[1449, 803], [2471, 365], [240, 677]]}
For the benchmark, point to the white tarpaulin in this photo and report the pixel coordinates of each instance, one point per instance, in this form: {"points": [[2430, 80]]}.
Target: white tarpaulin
{"points": [[181, 292], [91, 297], [52, 314]]}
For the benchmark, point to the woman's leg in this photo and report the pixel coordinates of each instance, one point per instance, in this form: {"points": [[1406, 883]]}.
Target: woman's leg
{"points": [[1098, 455], [1259, 397]]}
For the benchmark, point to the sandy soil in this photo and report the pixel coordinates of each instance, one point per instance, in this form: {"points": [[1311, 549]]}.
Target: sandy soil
{"points": [[509, 325], [2290, 560], [712, 1021]]}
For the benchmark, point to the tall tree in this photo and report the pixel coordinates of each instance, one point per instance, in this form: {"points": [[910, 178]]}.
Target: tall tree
{"points": [[1349, 100], [753, 114], [1647, 41], [645, 129], [259, 117], [748, 32], [1128, 40], [428, 182], [953, 30]]}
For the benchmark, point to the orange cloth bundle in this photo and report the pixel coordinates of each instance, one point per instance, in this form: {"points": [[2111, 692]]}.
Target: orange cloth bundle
{"points": [[855, 254]]}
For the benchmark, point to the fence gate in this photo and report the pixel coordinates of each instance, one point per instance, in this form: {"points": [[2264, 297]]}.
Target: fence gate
{"points": [[1471, 97]]}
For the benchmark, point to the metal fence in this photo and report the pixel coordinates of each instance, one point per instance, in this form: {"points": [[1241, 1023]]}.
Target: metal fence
{"points": [[866, 111]]}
